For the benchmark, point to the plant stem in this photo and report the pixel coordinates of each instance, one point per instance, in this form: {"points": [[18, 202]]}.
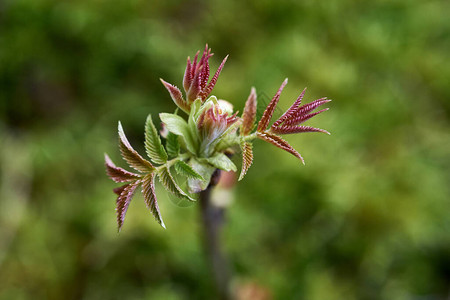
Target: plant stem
{"points": [[213, 220]]}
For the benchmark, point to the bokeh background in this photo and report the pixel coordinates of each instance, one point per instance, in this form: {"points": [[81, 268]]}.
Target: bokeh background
{"points": [[368, 217]]}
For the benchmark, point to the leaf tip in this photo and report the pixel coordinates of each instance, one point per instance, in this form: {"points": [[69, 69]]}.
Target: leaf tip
{"points": [[120, 128]]}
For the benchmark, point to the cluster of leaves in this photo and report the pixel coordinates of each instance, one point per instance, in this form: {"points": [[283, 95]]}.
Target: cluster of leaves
{"points": [[195, 147]]}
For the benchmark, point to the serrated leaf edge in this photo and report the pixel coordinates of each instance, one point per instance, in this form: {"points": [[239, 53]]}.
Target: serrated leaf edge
{"points": [[186, 170], [148, 191], [168, 182], [153, 147], [131, 156], [247, 158]]}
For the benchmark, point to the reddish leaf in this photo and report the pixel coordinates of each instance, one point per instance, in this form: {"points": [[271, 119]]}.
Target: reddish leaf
{"points": [[247, 158], [176, 95], [291, 110], [130, 155], [187, 79], [296, 129], [208, 89], [123, 201], [118, 190], [262, 125], [204, 74], [249, 114], [302, 118], [194, 65], [148, 190], [195, 88], [118, 174], [280, 143], [304, 109]]}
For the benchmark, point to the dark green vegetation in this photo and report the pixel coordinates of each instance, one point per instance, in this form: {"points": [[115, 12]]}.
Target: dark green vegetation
{"points": [[366, 218]]}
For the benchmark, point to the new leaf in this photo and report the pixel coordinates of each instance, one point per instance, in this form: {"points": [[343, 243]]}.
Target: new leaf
{"points": [[123, 201], [179, 126], [153, 146], [247, 158], [172, 145], [118, 174], [167, 180], [134, 159], [221, 161], [186, 170], [148, 190]]}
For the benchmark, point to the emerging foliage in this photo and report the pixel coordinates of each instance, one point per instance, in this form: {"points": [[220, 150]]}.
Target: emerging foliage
{"points": [[203, 140], [167, 180], [249, 114], [289, 122], [247, 158], [118, 174], [153, 146], [267, 115], [186, 170], [134, 159], [123, 201], [148, 190], [172, 145]]}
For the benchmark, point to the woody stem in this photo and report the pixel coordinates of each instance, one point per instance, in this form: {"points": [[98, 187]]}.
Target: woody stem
{"points": [[213, 218]]}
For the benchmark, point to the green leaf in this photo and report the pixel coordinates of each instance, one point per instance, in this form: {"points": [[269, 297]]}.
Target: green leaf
{"points": [[179, 126], [205, 170], [153, 146], [174, 123], [148, 190], [195, 108], [167, 180], [186, 170], [172, 145], [221, 161], [134, 159], [192, 119]]}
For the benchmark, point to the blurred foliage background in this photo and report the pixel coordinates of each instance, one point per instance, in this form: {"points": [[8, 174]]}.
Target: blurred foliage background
{"points": [[366, 218]]}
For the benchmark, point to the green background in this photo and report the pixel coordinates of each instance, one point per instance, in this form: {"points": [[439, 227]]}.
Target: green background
{"points": [[366, 218]]}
